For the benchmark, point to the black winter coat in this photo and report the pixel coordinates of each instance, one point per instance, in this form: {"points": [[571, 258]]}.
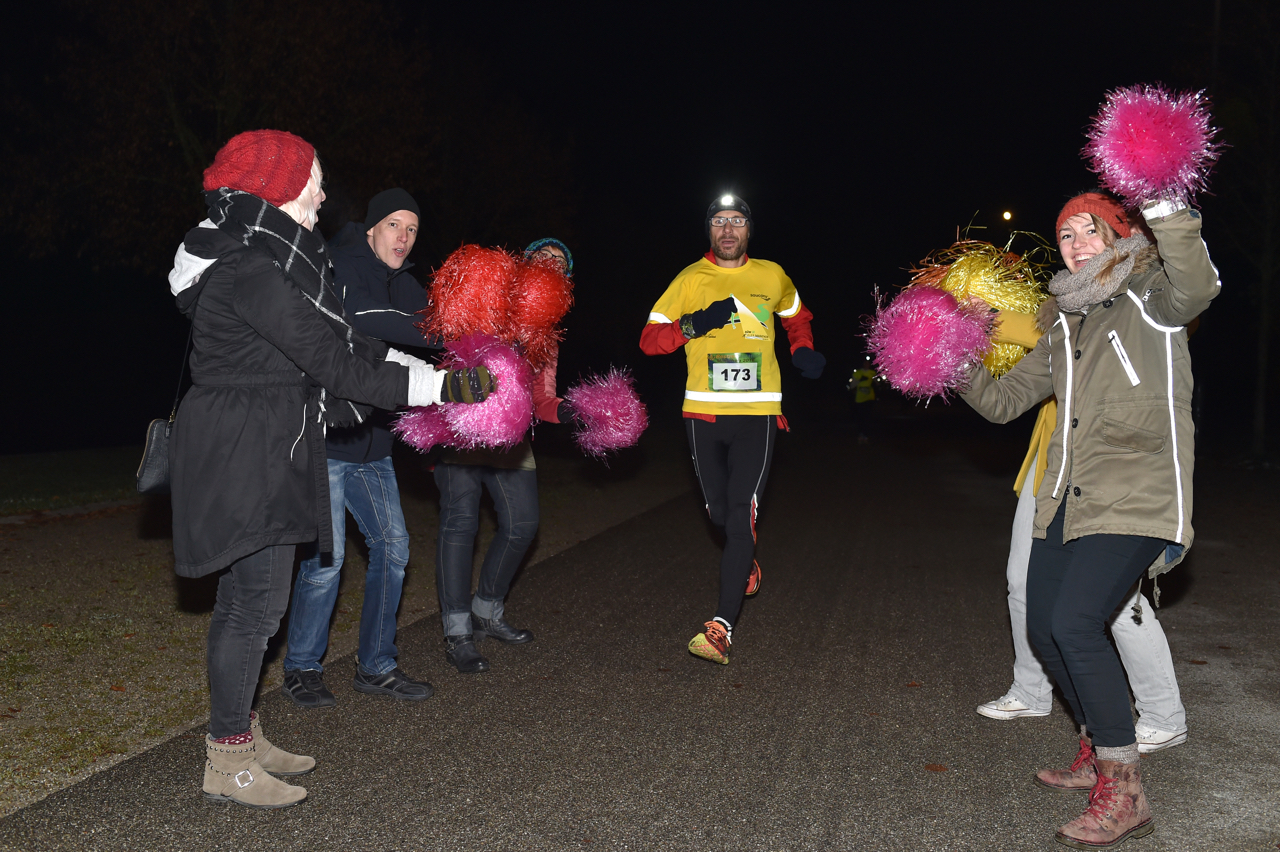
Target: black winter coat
{"points": [[247, 454], [383, 304]]}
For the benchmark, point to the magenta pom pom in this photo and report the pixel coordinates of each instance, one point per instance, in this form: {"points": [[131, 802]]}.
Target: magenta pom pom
{"points": [[1148, 144], [503, 418], [610, 414], [424, 427], [924, 341]]}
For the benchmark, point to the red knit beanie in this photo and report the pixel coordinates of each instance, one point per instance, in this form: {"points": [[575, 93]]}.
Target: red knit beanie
{"points": [[271, 164], [1104, 207]]}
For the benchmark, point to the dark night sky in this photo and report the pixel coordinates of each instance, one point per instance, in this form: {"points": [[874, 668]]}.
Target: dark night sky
{"points": [[862, 140]]}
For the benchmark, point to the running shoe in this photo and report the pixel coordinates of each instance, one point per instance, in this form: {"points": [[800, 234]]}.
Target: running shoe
{"points": [[753, 579], [713, 644]]}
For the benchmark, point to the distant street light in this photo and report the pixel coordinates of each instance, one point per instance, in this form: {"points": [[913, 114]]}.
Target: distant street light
{"points": [[1007, 215]]}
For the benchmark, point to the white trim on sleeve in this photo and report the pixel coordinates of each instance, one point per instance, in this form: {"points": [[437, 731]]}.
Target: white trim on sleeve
{"points": [[793, 309]]}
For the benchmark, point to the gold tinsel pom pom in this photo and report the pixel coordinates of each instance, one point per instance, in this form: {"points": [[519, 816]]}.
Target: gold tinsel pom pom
{"points": [[1000, 278]]}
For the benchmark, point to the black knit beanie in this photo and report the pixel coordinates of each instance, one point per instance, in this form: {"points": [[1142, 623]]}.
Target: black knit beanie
{"points": [[387, 202]]}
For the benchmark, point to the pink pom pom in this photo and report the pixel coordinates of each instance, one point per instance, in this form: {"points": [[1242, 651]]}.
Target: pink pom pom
{"points": [[610, 413], [924, 341], [506, 414], [1148, 144], [424, 427]]}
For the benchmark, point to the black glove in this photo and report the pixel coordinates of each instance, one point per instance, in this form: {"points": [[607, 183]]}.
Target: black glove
{"points": [[471, 385], [566, 414], [710, 318], [808, 362]]}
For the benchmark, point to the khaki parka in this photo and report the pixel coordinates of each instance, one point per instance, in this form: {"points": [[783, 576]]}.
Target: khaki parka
{"points": [[1122, 452]]}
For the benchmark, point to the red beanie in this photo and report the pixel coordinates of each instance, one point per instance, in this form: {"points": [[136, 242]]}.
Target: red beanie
{"points": [[271, 164], [1104, 207]]}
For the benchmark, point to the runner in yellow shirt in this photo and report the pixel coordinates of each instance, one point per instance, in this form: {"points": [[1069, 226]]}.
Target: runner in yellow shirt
{"points": [[721, 309]]}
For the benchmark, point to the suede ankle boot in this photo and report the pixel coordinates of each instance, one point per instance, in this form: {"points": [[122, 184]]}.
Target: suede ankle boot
{"points": [[1117, 809], [1080, 777], [232, 774], [275, 760]]}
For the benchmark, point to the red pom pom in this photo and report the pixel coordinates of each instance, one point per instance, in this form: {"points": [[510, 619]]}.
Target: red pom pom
{"points": [[542, 295], [471, 294]]}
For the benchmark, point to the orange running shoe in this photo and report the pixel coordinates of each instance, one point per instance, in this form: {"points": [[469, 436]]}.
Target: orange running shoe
{"points": [[713, 644], [753, 579]]}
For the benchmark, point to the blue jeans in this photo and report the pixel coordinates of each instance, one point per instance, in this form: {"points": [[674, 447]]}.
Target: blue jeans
{"points": [[515, 497], [252, 597], [369, 491]]}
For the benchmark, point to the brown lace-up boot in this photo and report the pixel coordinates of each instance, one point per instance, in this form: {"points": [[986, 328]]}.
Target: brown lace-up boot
{"points": [[1080, 777], [1117, 809], [276, 760]]}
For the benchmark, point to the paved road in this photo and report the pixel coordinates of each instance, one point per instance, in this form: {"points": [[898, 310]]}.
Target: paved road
{"points": [[844, 722]]}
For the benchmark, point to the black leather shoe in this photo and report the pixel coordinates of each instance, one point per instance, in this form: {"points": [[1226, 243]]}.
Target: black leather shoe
{"points": [[395, 683], [461, 653], [498, 629], [306, 689]]}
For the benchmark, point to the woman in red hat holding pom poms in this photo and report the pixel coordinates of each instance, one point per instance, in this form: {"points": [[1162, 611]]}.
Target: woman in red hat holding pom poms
{"points": [[273, 362], [1115, 502]]}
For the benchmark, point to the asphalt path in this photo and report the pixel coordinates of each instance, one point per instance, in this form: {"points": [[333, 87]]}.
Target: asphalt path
{"points": [[844, 721]]}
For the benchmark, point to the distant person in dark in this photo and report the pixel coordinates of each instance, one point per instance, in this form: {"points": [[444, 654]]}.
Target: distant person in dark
{"points": [[721, 310], [1115, 501], [382, 299], [862, 397], [512, 479], [274, 362]]}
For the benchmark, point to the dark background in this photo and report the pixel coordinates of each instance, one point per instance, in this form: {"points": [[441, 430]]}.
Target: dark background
{"points": [[862, 140]]}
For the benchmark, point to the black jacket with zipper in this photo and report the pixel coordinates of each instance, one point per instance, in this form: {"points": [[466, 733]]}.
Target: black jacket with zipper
{"points": [[381, 303]]}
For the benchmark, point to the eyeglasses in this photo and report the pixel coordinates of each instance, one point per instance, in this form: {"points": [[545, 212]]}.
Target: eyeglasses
{"points": [[721, 221], [550, 255]]}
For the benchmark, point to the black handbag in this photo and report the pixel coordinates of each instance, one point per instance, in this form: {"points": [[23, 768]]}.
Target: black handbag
{"points": [[153, 470]]}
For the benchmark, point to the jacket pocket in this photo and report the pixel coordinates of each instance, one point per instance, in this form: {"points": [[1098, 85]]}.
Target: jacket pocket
{"points": [[1134, 381], [1126, 436]]}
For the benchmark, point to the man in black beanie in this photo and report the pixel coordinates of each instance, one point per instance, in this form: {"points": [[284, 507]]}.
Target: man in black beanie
{"points": [[382, 300]]}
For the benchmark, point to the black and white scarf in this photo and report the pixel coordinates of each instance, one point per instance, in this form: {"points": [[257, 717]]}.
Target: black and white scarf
{"points": [[302, 258]]}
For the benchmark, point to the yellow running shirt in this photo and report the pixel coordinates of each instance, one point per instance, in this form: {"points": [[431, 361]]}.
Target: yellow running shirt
{"points": [[732, 369]]}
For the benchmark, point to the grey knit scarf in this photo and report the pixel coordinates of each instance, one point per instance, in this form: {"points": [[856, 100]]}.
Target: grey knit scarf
{"points": [[1077, 290]]}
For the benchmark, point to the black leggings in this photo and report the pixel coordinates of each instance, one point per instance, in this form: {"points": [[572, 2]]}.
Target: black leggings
{"points": [[731, 457], [1072, 590]]}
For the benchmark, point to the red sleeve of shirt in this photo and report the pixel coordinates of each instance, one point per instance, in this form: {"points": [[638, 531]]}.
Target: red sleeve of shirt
{"points": [[545, 401], [797, 327], [661, 338]]}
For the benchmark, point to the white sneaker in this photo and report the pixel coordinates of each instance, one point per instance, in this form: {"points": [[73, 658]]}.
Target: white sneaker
{"points": [[1153, 739], [1008, 707]]}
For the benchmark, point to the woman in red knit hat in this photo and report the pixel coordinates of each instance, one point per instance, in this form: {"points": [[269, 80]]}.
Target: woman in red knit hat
{"points": [[274, 361], [1115, 500]]}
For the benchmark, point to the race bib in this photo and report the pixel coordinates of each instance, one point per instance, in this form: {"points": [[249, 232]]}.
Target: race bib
{"points": [[734, 371]]}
